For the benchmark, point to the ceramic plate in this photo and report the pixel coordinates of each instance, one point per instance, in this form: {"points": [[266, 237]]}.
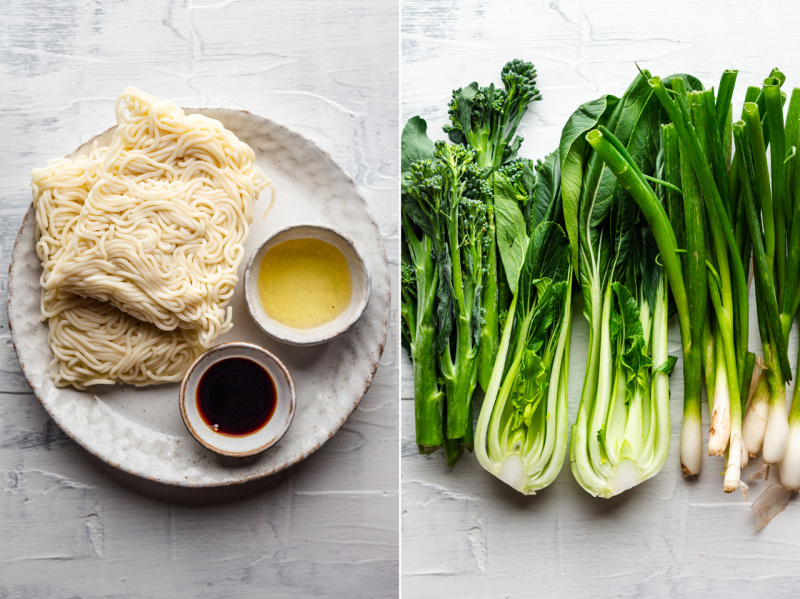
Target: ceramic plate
{"points": [[140, 430]]}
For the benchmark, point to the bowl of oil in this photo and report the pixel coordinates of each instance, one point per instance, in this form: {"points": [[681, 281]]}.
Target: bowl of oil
{"points": [[306, 284]]}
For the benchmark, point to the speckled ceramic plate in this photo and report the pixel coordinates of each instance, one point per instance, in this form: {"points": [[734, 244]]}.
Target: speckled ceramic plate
{"points": [[140, 430]]}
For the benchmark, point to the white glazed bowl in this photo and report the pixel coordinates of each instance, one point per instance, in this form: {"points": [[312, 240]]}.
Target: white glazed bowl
{"points": [[358, 271], [239, 445]]}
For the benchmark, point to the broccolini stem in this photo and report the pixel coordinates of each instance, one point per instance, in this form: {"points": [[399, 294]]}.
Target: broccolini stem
{"points": [[428, 398], [459, 374], [490, 332]]}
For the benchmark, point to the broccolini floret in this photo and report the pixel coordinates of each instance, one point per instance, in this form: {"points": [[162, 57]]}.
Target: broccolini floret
{"points": [[486, 118]]}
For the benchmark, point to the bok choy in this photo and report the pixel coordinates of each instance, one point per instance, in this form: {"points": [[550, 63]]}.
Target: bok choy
{"points": [[521, 436], [621, 436]]}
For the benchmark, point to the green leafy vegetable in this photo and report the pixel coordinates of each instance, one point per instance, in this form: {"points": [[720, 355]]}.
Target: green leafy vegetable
{"points": [[453, 295], [422, 237], [621, 436], [486, 120], [521, 435]]}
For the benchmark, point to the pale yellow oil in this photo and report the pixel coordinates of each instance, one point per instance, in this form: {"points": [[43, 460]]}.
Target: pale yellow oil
{"points": [[304, 283]]}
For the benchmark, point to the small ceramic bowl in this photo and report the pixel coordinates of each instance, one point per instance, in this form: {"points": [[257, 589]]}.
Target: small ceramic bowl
{"points": [[359, 272], [245, 444]]}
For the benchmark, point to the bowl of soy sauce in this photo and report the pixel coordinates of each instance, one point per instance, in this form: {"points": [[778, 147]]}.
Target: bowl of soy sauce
{"points": [[237, 399]]}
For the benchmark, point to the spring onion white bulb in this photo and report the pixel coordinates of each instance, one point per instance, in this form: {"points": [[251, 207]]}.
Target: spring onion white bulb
{"points": [[691, 445], [733, 468], [776, 436], [720, 429], [789, 466], [755, 420]]}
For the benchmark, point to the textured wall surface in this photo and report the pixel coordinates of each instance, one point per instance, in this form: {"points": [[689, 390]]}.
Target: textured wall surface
{"points": [[71, 526], [465, 534]]}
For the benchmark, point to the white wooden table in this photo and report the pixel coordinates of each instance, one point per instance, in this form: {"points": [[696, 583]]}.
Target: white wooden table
{"points": [[71, 526], [464, 533]]}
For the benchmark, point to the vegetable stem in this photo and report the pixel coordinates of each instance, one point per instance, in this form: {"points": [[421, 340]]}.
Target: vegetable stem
{"points": [[717, 215]]}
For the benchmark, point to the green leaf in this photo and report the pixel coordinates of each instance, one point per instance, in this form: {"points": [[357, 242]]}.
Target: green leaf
{"points": [[668, 366], [573, 152], [551, 256], [512, 150], [546, 204], [543, 314], [547, 257], [646, 271], [601, 440], [414, 144], [444, 299], [628, 309], [600, 215], [529, 388], [636, 364], [416, 215], [512, 237], [692, 83], [628, 338]]}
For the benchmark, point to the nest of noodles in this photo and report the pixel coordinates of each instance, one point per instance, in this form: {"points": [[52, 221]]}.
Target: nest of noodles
{"points": [[140, 243]]}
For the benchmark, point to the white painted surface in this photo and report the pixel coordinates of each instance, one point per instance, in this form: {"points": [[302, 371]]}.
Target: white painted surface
{"points": [[465, 534], [75, 527]]}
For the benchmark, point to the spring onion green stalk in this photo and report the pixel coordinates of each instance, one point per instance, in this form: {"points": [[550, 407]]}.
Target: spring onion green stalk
{"points": [[688, 219], [751, 154], [719, 222], [703, 118], [776, 436], [789, 467], [727, 281], [777, 146], [791, 294], [769, 194], [702, 110]]}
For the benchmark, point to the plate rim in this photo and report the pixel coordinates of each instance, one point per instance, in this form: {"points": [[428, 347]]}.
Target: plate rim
{"points": [[295, 459]]}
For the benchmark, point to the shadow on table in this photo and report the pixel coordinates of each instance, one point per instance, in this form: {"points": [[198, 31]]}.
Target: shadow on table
{"points": [[200, 496]]}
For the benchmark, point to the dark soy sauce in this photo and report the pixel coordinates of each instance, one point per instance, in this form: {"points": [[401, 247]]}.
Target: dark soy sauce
{"points": [[236, 396]]}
